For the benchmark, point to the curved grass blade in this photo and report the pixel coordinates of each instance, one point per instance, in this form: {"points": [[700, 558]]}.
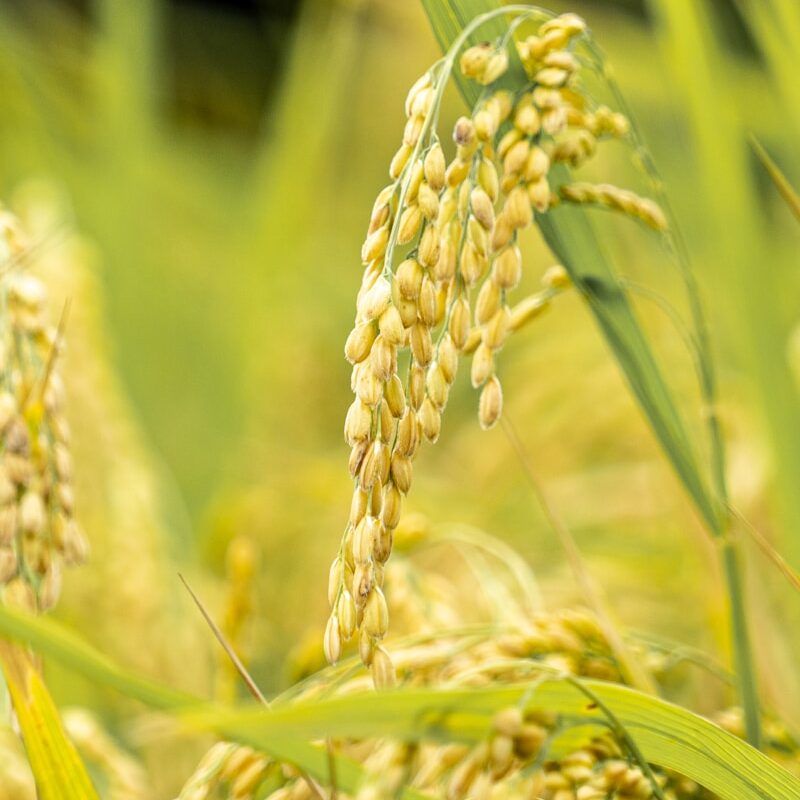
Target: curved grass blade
{"points": [[61, 644], [570, 235], [56, 766], [667, 735], [786, 190]]}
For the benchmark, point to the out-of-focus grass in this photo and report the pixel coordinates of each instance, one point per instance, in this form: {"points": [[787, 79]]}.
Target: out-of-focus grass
{"points": [[228, 264]]}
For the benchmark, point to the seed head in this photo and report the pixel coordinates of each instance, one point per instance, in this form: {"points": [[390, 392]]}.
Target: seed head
{"points": [[383, 358], [491, 403], [497, 329], [392, 504], [358, 506], [346, 611], [409, 278], [375, 245], [333, 640], [485, 125], [426, 304], [518, 208], [498, 64], [407, 434], [527, 120], [473, 264], [376, 614], [539, 195], [395, 396], [401, 472], [474, 60], [416, 386], [414, 182], [383, 673], [371, 466], [457, 172], [430, 419], [556, 277], [448, 358], [8, 564], [357, 423], [487, 178], [362, 541], [482, 365], [488, 302], [359, 342], [376, 300], [420, 85], [434, 167], [368, 386], [391, 327], [32, 513], [537, 164], [507, 267], [481, 207], [410, 222], [421, 344], [428, 250], [464, 133], [460, 323], [428, 200]]}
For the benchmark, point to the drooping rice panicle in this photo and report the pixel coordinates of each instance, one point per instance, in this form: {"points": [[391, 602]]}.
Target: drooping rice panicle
{"points": [[38, 531], [441, 261]]}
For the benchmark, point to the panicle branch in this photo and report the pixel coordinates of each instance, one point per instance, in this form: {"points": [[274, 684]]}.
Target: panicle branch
{"points": [[453, 228]]}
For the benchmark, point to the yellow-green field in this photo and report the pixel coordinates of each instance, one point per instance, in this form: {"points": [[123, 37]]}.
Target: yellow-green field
{"points": [[195, 185]]}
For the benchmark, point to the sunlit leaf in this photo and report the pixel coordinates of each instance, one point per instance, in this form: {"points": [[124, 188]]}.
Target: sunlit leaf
{"points": [[668, 736], [55, 763]]}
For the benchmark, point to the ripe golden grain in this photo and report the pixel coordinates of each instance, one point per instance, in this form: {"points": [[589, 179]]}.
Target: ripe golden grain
{"points": [[438, 232]]}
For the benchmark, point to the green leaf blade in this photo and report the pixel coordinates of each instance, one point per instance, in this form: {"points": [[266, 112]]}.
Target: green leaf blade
{"points": [[570, 235], [56, 766], [669, 737]]}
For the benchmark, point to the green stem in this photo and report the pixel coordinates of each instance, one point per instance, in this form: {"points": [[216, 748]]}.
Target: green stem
{"points": [[742, 649], [719, 526]]}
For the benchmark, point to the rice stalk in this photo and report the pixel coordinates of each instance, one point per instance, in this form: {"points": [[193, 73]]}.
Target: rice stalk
{"points": [[786, 190], [570, 236], [441, 260], [523, 752]]}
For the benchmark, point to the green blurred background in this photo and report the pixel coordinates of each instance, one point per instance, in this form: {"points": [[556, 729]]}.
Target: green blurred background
{"points": [[220, 161]]}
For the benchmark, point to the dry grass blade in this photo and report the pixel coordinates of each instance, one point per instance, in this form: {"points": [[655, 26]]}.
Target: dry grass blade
{"points": [[237, 662], [787, 191], [768, 550], [252, 686]]}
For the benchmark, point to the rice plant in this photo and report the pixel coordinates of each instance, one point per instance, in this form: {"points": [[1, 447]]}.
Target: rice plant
{"points": [[440, 672]]}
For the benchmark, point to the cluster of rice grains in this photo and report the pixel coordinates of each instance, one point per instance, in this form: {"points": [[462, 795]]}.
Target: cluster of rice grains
{"points": [[37, 530], [524, 754], [447, 294]]}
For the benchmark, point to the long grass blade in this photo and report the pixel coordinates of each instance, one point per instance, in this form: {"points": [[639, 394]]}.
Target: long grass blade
{"points": [[668, 736], [56, 766], [570, 235], [786, 190]]}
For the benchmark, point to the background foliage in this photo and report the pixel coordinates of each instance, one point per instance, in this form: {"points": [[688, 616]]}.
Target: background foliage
{"points": [[221, 161]]}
